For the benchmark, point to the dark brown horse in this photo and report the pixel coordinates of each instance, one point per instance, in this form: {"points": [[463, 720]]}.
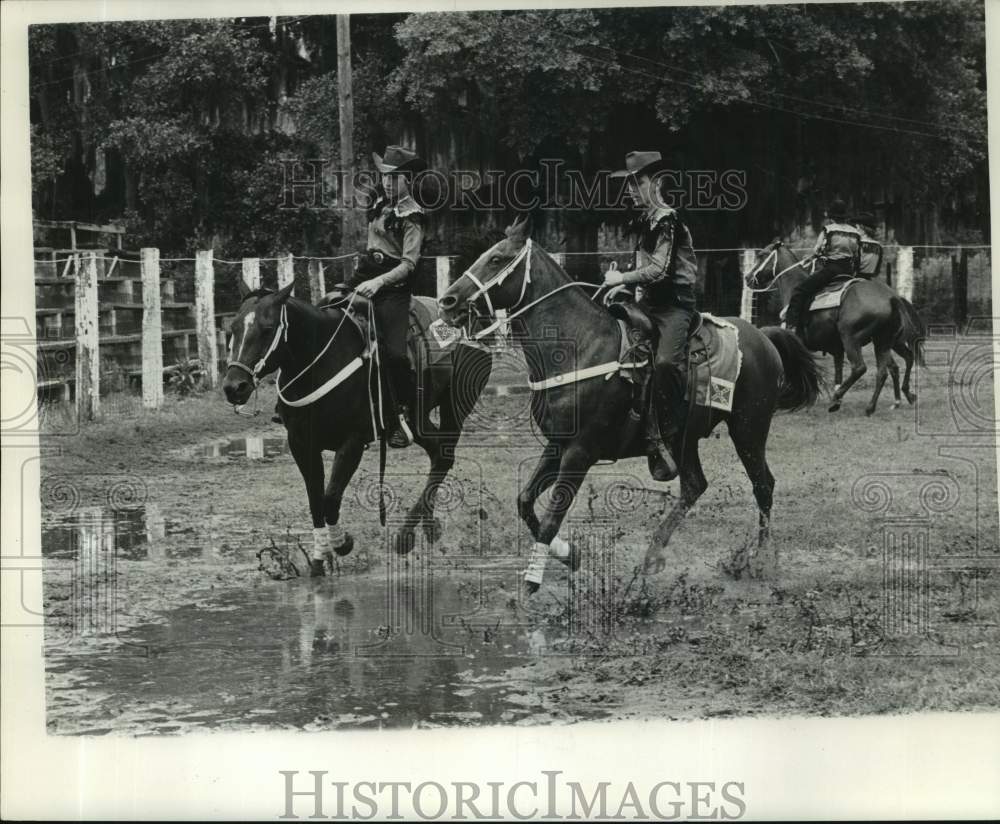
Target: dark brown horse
{"points": [[324, 384], [870, 312], [560, 328]]}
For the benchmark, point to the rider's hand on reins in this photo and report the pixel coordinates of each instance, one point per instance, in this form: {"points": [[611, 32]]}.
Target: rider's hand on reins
{"points": [[368, 288], [613, 277]]}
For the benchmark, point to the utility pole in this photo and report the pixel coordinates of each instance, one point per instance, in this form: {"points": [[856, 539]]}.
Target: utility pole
{"points": [[345, 108]]}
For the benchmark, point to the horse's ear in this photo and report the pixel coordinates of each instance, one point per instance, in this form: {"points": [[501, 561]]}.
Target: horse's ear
{"points": [[520, 229], [244, 289], [283, 293]]}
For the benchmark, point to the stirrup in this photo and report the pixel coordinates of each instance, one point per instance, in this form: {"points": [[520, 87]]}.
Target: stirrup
{"points": [[401, 437]]}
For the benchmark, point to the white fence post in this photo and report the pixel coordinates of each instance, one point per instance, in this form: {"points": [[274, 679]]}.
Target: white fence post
{"points": [[443, 274], [904, 272], [251, 272], [748, 258], [204, 316], [286, 271], [317, 281], [88, 376], [152, 331]]}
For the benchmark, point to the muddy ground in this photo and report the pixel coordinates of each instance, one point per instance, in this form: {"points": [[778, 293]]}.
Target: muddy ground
{"points": [[164, 615]]}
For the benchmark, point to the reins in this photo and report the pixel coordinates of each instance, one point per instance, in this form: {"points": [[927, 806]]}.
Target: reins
{"points": [[772, 258]]}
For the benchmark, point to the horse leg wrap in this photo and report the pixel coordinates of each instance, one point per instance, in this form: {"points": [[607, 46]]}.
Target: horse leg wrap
{"points": [[559, 548], [338, 535], [321, 543], [536, 565]]}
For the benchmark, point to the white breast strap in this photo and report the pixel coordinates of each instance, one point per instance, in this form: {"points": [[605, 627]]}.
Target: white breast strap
{"points": [[607, 369], [316, 394]]}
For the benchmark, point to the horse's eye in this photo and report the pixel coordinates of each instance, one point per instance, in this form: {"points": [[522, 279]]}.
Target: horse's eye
{"points": [[495, 259]]}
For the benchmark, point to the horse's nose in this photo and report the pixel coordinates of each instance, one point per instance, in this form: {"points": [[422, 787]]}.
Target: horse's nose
{"points": [[447, 302], [236, 389]]}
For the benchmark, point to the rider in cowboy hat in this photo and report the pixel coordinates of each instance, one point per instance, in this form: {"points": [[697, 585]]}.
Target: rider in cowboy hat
{"points": [[395, 236], [837, 252], [666, 268]]}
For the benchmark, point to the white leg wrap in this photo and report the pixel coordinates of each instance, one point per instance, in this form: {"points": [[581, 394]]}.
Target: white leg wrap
{"points": [[321, 543], [338, 535], [536, 564], [559, 548]]}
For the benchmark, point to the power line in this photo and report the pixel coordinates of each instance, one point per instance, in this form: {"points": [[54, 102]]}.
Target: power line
{"points": [[660, 64], [754, 102]]}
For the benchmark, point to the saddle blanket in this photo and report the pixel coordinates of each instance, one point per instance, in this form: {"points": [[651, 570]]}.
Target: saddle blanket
{"points": [[715, 362], [830, 296]]}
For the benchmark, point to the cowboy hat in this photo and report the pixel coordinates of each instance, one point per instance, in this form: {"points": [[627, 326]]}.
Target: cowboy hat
{"points": [[866, 219], [640, 163], [397, 159]]}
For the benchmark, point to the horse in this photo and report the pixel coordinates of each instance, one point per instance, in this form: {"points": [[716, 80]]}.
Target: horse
{"points": [[869, 312], [518, 275], [323, 382]]}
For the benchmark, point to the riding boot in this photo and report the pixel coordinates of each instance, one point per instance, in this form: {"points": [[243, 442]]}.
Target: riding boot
{"points": [[662, 466], [401, 392], [276, 417]]}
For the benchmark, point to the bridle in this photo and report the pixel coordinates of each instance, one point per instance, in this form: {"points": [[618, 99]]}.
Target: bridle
{"points": [[750, 281], [258, 369], [281, 335], [483, 289]]}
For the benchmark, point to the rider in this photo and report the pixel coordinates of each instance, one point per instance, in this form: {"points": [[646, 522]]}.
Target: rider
{"points": [[871, 249], [837, 250], [666, 267], [396, 229]]}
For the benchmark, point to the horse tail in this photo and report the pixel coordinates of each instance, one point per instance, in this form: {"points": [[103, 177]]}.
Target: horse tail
{"points": [[911, 328], [803, 380]]}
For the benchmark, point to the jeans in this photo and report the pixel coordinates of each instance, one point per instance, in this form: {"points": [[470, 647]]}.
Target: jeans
{"points": [[803, 293], [669, 374]]}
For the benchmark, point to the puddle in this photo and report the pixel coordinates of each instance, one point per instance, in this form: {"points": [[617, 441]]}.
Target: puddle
{"points": [[130, 534], [314, 655], [253, 448]]}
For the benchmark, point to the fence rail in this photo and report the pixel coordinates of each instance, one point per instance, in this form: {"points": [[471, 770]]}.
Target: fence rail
{"points": [[145, 316]]}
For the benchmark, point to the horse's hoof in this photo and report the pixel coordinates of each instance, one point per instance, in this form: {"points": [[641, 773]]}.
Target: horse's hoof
{"points": [[869, 411], [530, 587], [317, 568], [895, 405], [432, 530], [346, 547], [911, 397], [834, 406]]}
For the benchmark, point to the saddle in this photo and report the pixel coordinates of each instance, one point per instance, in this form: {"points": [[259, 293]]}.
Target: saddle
{"points": [[638, 324], [425, 349]]}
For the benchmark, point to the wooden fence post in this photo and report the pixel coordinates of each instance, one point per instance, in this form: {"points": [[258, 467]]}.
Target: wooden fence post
{"points": [[204, 317], [748, 258], [904, 272], [286, 271], [317, 282], [88, 376], [960, 286], [152, 331], [443, 274], [251, 272]]}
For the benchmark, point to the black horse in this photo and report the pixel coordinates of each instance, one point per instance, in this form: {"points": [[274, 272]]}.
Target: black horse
{"points": [[587, 419], [323, 383]]}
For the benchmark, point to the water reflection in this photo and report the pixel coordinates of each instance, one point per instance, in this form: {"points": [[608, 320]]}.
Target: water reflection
{"points": [[131, 534], [253, 448], [313, 654]]}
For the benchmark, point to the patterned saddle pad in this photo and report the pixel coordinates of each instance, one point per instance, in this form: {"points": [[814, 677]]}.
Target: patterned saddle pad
{"points": [[715, 361]]}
